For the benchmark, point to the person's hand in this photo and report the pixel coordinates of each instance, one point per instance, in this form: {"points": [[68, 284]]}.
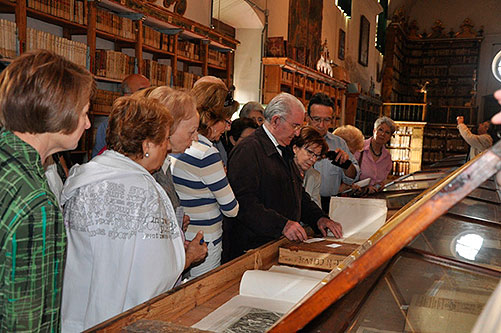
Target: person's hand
{"points": [[342, 156], [325, 224], [186, 222], [371, 189], [195, 251], [460, 120], [294, 231]]}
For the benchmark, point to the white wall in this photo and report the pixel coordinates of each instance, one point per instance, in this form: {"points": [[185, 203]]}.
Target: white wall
{"points": [[248, 65], [333, 20]]}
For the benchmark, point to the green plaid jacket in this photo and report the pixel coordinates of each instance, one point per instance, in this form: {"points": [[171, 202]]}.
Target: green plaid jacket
{"points": [[32, 240]]}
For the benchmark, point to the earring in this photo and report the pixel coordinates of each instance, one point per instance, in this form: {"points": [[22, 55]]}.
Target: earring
{"points": [[147, 155]]}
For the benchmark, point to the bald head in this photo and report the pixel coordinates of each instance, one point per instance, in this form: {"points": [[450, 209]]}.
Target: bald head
{"points": [[133, 83]]}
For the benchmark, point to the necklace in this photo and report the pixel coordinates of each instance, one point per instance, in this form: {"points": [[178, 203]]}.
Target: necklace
{"points": [[372, 150]]}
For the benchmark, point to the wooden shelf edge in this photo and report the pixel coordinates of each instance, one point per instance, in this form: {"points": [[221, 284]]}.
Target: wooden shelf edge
{"points": [[186, 59], [152, 49], [106, 79], [111, 37]]}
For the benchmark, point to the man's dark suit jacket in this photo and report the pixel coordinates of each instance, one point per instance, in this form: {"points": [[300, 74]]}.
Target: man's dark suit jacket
{"points": [[269, 191]]}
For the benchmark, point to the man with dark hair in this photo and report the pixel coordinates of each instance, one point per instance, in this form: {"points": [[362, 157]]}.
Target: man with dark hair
{"points": [[268, 186], [321, 116], [130, 85]]}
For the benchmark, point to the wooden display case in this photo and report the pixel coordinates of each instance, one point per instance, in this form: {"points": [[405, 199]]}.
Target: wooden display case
{"points": [[409, 271]]}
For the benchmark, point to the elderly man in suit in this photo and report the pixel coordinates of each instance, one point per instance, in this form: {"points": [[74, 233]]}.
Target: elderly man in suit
{"points": [[268, 186]]}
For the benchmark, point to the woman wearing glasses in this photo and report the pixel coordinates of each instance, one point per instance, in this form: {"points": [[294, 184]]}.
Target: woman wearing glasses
{"points": [[308, 147], [199, 175], [375, 160]]}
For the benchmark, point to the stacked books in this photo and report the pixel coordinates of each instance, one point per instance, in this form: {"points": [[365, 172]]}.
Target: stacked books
{"points": [[71, 50]]}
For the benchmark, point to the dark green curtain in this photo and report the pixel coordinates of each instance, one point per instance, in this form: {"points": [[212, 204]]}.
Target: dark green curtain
{"points": [[381, 26]]}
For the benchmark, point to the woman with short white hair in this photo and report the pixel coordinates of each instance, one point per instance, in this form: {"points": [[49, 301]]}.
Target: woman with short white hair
{"points": [[374, 159]]}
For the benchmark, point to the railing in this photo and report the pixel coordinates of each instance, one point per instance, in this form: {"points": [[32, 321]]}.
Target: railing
{"points": [[405, 111]]}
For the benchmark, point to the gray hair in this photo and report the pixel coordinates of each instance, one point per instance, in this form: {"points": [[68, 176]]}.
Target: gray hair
{"points": [[249, 107], [282, 106], [387, 121]]}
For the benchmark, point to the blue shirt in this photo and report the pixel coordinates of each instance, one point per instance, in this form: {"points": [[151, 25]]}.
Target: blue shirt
{"points": [[100, 138], [332, 176]]}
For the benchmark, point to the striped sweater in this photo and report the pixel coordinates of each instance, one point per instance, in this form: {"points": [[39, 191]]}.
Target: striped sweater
{"points": [[205, 194]]}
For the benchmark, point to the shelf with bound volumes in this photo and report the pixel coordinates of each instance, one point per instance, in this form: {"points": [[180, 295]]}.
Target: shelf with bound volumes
{"points": [[441, 141], [406, 147], [287, 75], [446, 63], [154, 40]]}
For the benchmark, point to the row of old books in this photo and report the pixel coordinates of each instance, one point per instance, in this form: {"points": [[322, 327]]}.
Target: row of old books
{"points": [[188, 50], [158, 40], [152, 37], [113, 65], [400, 154], [400, 140], [70, 49], [158, 74], [71, 10], [8, 39], [103, 100], [400, 168], [217, 58], [186, 80], [114, 24]]}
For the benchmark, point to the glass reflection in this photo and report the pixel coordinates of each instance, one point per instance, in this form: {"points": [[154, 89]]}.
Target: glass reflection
{"points": [[467, 246]]}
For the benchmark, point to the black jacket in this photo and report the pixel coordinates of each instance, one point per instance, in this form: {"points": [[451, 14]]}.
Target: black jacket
{"points": [[269, 191]]}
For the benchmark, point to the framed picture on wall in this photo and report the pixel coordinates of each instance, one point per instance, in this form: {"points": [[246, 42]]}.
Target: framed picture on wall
{"points": [[363, 45], [340, 52]]}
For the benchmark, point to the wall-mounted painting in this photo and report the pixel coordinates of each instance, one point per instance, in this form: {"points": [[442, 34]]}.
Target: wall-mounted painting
{"points": [[340, 52], [363, 45]]}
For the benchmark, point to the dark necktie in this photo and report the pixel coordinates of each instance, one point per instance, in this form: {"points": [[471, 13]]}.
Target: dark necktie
{"points": [[286, 152]]}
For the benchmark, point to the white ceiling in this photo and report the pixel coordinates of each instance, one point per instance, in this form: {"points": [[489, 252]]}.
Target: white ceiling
{"points": [[237, 13]]}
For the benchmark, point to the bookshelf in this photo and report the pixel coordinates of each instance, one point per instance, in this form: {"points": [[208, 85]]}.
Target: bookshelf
{"points": [[115, 38], [287, 75], [406, 147], [441, 141], [449, 63], [368, 109]]}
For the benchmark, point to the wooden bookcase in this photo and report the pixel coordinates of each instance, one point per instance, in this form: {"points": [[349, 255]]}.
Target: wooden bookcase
{"points": [[121, 37], [449, 65], [368, 109], [406, 147], [287, 75], [441, 141]]}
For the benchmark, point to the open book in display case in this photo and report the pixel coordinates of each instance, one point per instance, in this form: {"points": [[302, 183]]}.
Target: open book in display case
{"points": [[431, 267]]}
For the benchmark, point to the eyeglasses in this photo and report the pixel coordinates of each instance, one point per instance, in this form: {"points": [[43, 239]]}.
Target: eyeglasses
{"points": [[296, 127], [228, 122], [319, 120], [312, 154]]}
